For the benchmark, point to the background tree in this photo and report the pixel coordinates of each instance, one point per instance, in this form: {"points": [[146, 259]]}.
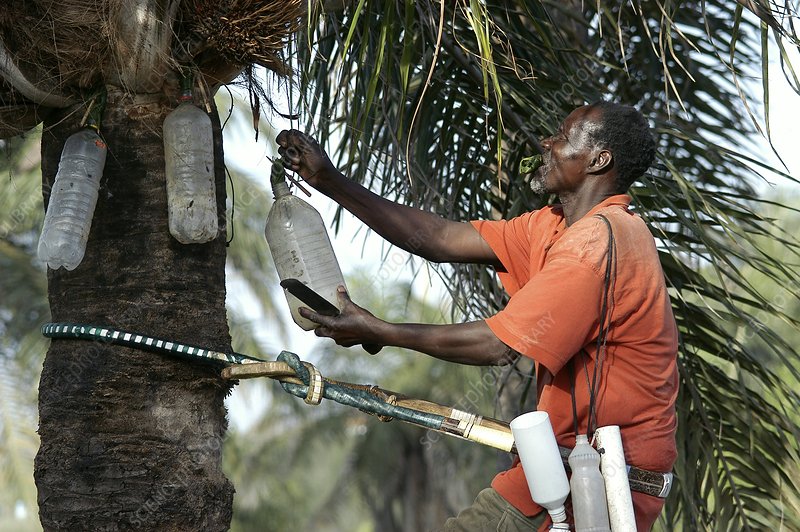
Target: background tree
{"points": [[131, 440], [23, 306], [332, 468]]}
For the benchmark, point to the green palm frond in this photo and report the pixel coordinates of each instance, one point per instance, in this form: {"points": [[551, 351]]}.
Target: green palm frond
{"points": [[505, 73]]}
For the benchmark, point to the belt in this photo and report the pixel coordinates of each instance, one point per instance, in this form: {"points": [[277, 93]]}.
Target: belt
{"points": [[641, 480]]}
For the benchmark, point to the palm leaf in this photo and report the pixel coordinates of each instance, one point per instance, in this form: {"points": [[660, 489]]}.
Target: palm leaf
{"points": [[686, 65]]}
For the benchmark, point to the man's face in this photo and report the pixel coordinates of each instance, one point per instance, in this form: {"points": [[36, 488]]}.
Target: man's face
{"points": [[566, 155]]}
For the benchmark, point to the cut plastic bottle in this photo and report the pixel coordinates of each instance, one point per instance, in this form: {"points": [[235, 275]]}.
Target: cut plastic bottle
{"points": [[189, 158], [300, 247], [73, 199]]}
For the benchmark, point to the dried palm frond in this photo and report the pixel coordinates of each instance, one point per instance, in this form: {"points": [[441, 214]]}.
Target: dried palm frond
{"points": [[17, 114], [60, 46], [58, 51], [73, 44], [244, 32]]}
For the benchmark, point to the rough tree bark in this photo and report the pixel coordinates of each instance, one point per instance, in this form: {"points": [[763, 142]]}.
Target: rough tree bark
{"points": [[130, 439]]}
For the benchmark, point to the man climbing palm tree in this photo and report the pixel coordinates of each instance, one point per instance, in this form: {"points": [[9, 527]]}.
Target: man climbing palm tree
{"points": [[588, 300]]}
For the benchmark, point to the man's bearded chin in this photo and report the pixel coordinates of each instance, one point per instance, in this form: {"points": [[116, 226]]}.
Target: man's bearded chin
{"points": [[538, 183]]}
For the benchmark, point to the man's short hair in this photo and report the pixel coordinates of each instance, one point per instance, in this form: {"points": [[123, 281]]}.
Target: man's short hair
{"points": [[625, 132]]}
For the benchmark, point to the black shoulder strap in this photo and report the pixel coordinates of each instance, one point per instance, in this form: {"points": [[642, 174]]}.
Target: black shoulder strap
{"points": [[602, 338]]}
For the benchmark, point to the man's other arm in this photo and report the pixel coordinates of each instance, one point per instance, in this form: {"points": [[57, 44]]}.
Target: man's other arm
{"points": [[422, 233], [471, 343]]}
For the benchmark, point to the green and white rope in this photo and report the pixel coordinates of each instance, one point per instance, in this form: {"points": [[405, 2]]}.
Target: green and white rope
{"points": [[110, 335], [313, 383]]}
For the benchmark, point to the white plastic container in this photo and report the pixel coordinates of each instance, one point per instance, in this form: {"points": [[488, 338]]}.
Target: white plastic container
{"points": [[541, 462], [73, 199], [300, 247], [615, 474], [588, 490], [189, 165]]}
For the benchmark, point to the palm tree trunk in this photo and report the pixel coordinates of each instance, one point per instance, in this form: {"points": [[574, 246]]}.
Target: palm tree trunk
{"points": [[130, 439]]}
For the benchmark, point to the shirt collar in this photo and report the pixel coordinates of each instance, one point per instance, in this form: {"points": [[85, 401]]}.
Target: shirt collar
{"points": [[619, 199]]}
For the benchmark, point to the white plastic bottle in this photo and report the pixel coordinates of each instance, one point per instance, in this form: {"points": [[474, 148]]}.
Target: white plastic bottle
{"points": [[189, 158], [72, 200], [300, 246], [541, 462], [587, 488]]}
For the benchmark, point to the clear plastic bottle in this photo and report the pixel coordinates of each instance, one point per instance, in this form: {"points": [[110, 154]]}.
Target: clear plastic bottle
{"points": [[72, 200], [300, 246], [587, 488], [189, 158]]}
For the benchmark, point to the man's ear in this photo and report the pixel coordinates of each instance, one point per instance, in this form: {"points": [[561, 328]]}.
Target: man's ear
{"points": [[601, 161]]}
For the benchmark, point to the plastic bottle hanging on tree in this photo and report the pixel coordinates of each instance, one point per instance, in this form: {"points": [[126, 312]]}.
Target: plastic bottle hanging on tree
{"points": [[73, 196], [300, 246], [189, 158]]}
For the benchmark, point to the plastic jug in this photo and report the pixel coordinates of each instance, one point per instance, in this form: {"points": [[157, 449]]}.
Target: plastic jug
{"points": [[300, 246], [587, 488]]}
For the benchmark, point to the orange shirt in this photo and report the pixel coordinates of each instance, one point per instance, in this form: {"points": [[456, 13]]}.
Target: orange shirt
{"points": [[555, 277]]}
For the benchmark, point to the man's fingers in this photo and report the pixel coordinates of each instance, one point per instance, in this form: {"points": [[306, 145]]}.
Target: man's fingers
{"points": [[288, 142], [282, 138], [344, 297], [290, 139], [309, 314]]}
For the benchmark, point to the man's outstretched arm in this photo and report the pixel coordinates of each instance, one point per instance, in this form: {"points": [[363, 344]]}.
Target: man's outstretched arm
{"points": [[470, 343], [421, 233]]}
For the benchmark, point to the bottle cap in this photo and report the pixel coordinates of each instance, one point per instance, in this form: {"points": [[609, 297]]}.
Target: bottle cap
{"points": [[558, 515]]}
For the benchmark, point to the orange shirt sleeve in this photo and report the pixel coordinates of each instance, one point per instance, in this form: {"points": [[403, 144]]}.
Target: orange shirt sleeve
{"points": [[510, 241], [554, 314]]}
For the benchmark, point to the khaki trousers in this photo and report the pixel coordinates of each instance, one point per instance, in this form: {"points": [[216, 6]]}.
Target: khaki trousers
{"points": [[492, 513]]}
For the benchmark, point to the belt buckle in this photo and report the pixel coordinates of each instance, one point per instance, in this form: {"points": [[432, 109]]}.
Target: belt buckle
{"points": [[667, 485]]}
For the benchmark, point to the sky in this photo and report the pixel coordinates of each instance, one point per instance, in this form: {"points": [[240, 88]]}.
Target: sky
{"points": [[785, 120]]}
